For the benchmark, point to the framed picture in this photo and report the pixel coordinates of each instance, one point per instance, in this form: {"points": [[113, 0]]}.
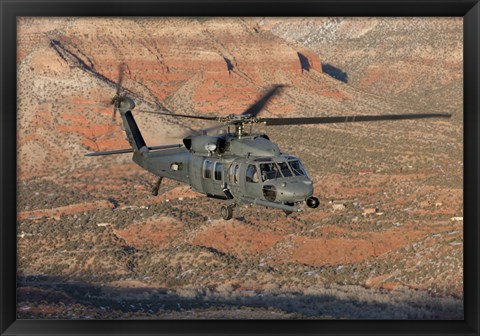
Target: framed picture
{"points": [[144, 191]]}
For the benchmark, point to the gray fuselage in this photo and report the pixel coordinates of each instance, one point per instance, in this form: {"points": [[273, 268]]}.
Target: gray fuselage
{"points": [[246, 168]]}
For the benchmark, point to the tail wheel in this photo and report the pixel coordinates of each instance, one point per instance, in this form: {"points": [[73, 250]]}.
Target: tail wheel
{"points": [[226, 212]]}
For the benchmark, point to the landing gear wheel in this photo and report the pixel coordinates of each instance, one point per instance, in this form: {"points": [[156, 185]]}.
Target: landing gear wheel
{"points": [[226, 212]]}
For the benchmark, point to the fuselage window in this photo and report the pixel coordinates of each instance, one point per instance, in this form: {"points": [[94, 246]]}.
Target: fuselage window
{"points": [[231, 174], [218, 171], [269, 171], [207, 169], [236, 174], [284, 169], [252, 174]]}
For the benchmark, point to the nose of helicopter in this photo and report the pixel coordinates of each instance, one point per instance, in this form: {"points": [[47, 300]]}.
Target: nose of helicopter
{"points": [[295, 191]]}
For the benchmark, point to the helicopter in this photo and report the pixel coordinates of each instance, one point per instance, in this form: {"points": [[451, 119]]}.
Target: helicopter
{"points": [[239, 167]]}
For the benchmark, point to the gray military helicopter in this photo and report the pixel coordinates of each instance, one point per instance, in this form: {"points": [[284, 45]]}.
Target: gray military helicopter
{"points": [[237, 166]]}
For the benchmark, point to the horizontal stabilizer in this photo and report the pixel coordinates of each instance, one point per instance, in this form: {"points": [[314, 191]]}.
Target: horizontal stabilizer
{"points": [[130, 150]]}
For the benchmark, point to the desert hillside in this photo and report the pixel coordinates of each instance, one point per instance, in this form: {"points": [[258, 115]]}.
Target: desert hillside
{"points": [[418, 60], [386, 242]]}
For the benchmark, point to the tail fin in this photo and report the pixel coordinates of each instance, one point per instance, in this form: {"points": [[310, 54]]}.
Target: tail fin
{"points": [[134, 136]]}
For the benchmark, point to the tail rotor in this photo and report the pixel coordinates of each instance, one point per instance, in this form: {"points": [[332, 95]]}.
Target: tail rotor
{"points": [[116, 100]]}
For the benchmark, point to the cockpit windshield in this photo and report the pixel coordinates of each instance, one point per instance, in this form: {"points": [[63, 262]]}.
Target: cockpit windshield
{"points": [[297, 168], [284, 169], [291, 167]]}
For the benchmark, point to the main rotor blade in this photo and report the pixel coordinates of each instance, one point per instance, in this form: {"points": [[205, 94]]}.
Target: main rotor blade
{"points": [[358, 118], [255, 108], [178, 115]]}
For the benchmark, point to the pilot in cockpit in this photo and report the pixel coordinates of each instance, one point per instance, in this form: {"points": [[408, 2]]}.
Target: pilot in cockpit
{"points": [[269, 171]]}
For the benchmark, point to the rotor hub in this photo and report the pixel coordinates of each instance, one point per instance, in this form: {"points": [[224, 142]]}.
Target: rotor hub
{"points": [[238, 119], [123, 103]]}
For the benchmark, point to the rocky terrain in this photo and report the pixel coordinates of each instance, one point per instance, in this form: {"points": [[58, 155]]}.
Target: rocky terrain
{"points": [[386, 242]]}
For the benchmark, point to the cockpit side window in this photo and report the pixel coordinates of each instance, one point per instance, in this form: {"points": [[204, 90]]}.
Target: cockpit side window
{"points": [[269, 171], [297, 168], [252, 174]]}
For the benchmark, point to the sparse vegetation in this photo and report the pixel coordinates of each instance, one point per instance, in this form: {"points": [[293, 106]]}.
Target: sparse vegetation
{"points": [[94, 243]]}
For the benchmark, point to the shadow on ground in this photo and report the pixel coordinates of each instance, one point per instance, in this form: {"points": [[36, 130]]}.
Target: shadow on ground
{"points": [[335, 72], [75, 300]]}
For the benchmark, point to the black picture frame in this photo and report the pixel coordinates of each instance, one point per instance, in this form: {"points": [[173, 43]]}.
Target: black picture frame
{"points": [[10, 10]]}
